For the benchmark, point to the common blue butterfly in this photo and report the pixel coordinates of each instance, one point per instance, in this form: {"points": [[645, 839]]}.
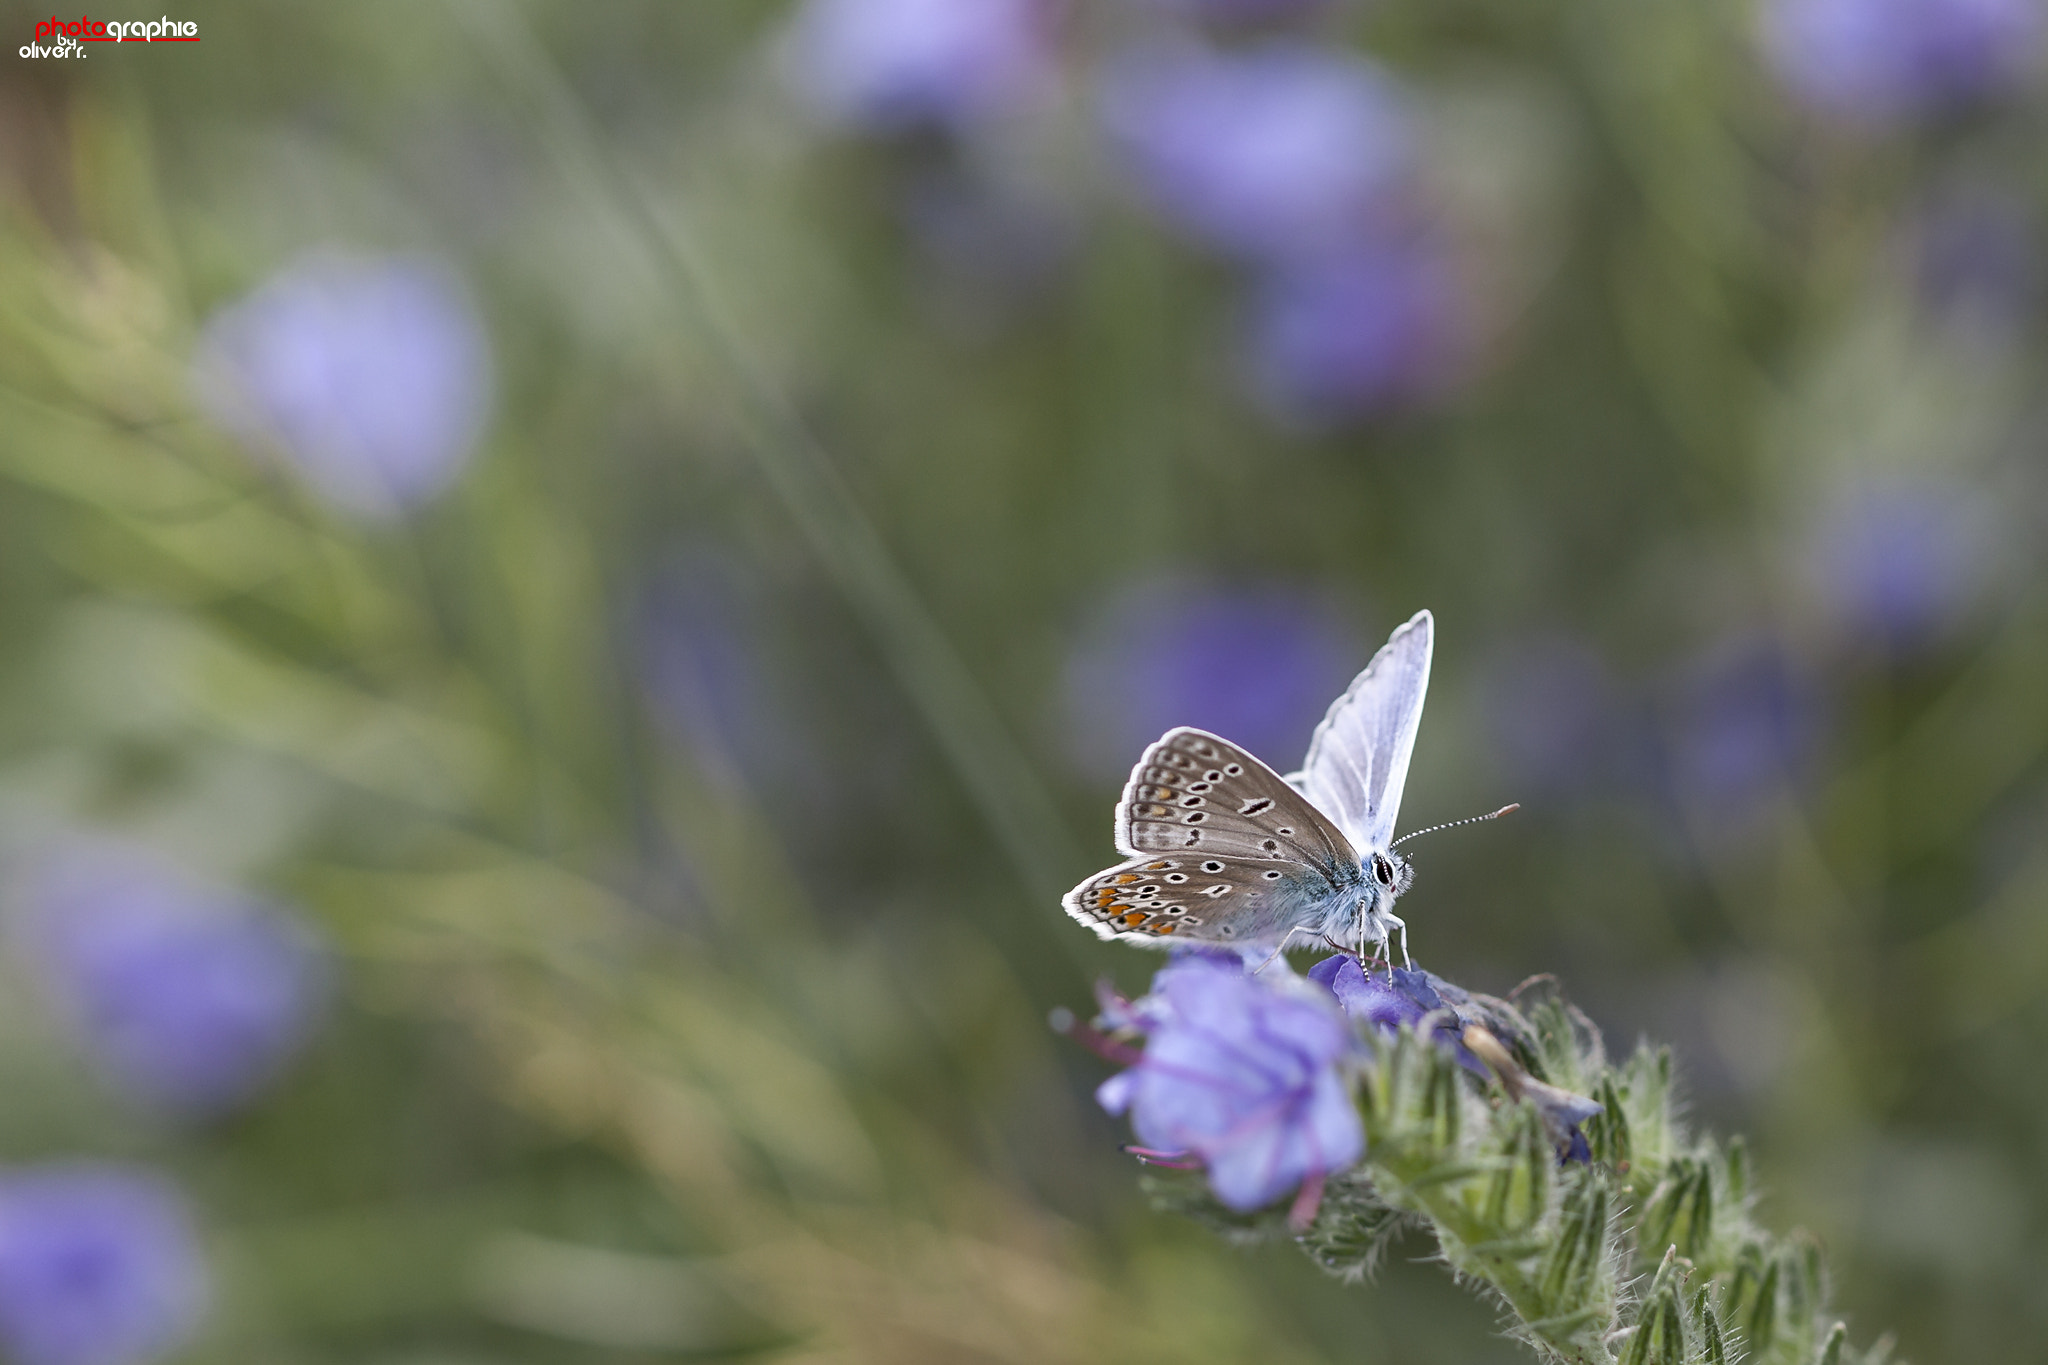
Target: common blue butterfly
{"points": [[1224, 851]]}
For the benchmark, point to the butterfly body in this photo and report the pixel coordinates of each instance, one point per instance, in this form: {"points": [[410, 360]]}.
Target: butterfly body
{"points": [[1222, 850]]}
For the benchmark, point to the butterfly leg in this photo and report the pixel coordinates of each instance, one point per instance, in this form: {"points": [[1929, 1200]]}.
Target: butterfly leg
{"points": [[1369, 932], [1394, 922], [1297, 929], [1374, 927]]}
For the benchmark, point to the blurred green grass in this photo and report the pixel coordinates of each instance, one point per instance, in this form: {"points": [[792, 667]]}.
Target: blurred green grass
{"points": [[638, 1061]]}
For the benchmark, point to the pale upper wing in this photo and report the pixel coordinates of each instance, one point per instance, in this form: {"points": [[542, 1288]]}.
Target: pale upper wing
{"points": [[1358, 760]]}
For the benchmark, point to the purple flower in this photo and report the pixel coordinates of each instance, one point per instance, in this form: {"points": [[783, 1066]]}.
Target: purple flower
{"points": [[1243, 11], [99, 1265], [1242, 1075], [1282, 151], [1373, 329], [711, 679], [702, 666], [1391, 1001], [188, 998], [1742, 726], [882, 65], [993, 248], [370, 376], [1878, 61], [1975, 264], [1557, 719], [1563, 1112], [1256, 663], [1899, 563], [1404, 998]]}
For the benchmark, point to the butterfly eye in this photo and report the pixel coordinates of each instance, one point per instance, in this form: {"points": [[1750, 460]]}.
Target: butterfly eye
{"points": [[1382, 870]]}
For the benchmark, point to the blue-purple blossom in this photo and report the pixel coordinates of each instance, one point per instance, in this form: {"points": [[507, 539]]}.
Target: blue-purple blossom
{"points": [[1255, 662], [1878, 61], [994, 247], [99, 1265], [1279, 152], [1404, 998], [1742, 725], [1243, 1076], [1975, 265], [1242, 11], [732, 668], [1899, 563], [1563, 1114], [187, 997], [711, 679], [882, 65], [370, 376], [1373, 329], [1390, 1001], [1557, 721]]}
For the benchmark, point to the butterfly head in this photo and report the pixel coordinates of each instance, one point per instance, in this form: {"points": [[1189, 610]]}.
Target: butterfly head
{"points": [[1391, 874]]}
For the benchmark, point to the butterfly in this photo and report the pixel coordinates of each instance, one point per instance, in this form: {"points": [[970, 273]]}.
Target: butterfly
{"points": [[1223, 851]]}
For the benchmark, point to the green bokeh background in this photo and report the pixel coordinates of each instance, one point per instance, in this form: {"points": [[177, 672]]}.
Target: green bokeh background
{"points": [[637, 1061]]}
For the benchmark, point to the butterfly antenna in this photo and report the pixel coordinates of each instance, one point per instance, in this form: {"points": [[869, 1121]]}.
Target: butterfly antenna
{"points": [[1508, 809]]}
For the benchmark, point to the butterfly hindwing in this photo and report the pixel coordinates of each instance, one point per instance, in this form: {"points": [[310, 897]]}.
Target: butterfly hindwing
{"points": [[1163, 899], [1221, 850]]}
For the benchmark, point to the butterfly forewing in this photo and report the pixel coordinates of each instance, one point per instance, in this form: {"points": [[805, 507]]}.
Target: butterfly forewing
{"points": [[1195, 793], [1357, 761], [1220, 849]]}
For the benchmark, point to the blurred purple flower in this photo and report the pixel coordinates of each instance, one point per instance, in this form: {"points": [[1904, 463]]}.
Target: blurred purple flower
{"points": [[1976, 265], [1898, 563], [883, 65], [1390, 1001], [188, 998], [994, 248], [99, 1265], [1743, 725], [1242, 11], [1373, 329], [705, 672], [1258, 663], [1556, 719], [1877, 61], [1279, 152], [370, 375], [1242, 1075]]}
